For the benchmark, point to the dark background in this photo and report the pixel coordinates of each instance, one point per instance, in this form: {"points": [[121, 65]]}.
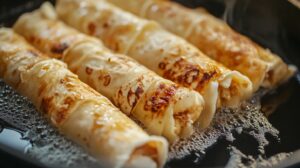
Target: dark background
{"points": [[274, 24]]}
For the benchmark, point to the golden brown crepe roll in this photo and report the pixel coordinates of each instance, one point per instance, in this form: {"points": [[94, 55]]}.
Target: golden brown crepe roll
{"points": [[163, 52], [75, 109], [216, 39], [160, 105]]}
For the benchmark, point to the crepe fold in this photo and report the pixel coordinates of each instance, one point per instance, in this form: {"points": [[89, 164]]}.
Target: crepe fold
{"points": [[160, 105], [216, 39], [160, 51], [75, 109]]}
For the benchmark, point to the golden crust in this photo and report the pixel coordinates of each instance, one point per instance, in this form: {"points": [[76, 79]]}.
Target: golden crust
{"points": [[149, 44], [125, 82], [216, 39]]}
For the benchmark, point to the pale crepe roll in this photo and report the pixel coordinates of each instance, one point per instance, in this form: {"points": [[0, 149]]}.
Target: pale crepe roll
{"points": [[78, 111], [216, 39], [160, 105], [163, 52]]}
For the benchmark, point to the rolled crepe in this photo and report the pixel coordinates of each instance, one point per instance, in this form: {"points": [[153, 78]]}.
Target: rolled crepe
{"points": [[160, 105], [163, 52], [216, 39], [75, 109]]}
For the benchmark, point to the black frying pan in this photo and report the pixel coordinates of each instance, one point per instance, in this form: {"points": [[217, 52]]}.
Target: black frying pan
{"points": [[274, 24]]}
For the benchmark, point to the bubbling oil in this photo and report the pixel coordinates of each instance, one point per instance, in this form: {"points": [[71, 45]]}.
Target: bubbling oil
{"points": [[52, 148], [47, 145], [248, 119]]}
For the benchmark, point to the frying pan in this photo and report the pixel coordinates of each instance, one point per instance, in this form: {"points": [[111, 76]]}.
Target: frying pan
{"points": [[274, 24]]}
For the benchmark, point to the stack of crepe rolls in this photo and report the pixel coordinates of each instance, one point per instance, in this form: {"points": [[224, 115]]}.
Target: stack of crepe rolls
{"points": [[216, 39], [75, 109], [166, 54], [160, 105]]}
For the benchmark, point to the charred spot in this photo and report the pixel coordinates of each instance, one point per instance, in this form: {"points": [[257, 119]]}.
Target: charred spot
{"points": [[120, 92], [134, 96], [179, 63], [31, 39], [190, 76], [162, 65], [186, 74], [105, 25], [155, 104], [75, 70], [131, 99], [116, 47], [193, 74], [169, 74], [62, 113], [172, 73], [205, 78], [160, 99], [68, 101], [59, 48], [46, 104], [162, 86], [62, 81], [92, 28], [181, 116], [139, 91], [68, 82], [107, 80], [41, 89], [89, 70], [183, 73]]}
